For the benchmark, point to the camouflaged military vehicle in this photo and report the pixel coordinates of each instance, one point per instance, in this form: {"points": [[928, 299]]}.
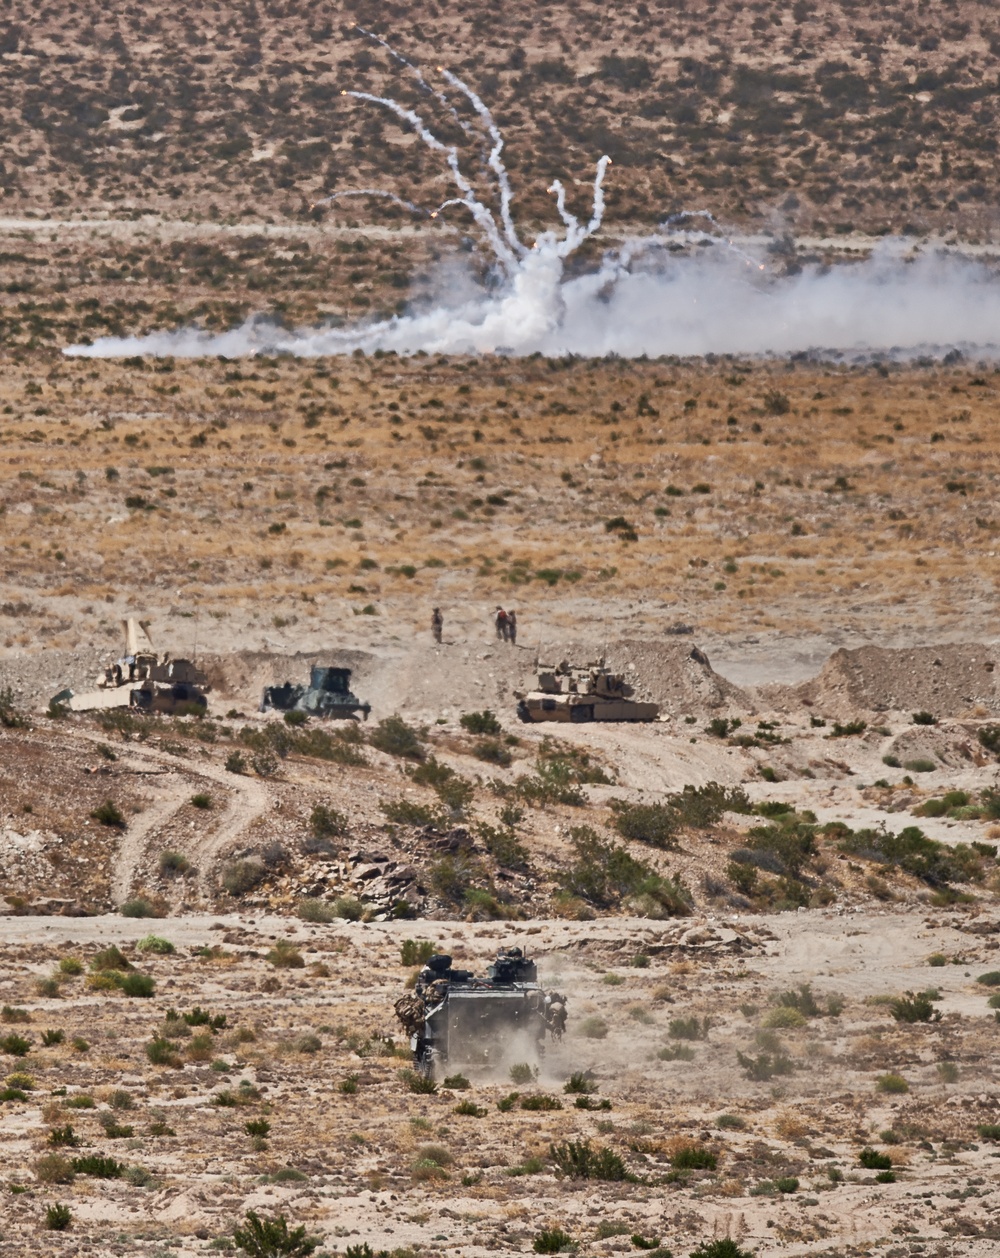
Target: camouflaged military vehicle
{"points": [[590, 693], [328, 694], [140, 678], [454, 1018]]}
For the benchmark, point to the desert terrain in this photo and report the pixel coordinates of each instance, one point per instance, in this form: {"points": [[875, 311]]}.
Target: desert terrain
{"points": [[772, 910]]}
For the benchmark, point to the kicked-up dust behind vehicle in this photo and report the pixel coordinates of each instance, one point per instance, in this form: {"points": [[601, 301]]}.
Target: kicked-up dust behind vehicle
{"points": [[452, 1017]]}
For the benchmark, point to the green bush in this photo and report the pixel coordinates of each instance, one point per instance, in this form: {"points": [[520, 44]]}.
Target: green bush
{"points": [[988, 1131], [326, 823], [109, 815], [469, 1109], [538, 1102], [914, 853], [872, 1160], [313, 910], [924, 718], [523, 1072], [285, 956], [492, 751], [10, 717], [264, 1237], [52, 1037], [140, 907], [693, 1157], [422, 1085], [766, 1066], [348, 908], [140, 985], [63, 1137], [481, 723], [892, 1083], [578, 1160], [15, 1045], [393, 736], [914, 1007], [240, 877], [581, 1081], [53, 1168], [171, 863], [920, 765], [161, 1052], [552, 1241], [989, 979], [202, 800], [404, 812], [157, 945], [58, 1217], [604, 875], [98, 1166], [689, 1028]]}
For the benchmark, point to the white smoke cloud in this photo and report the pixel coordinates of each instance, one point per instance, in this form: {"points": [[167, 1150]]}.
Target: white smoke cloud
{"points": [[715, 302], [712, 297]]}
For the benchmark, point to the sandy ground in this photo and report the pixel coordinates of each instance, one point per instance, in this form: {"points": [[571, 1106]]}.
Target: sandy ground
{"points": [[354, 1155]]}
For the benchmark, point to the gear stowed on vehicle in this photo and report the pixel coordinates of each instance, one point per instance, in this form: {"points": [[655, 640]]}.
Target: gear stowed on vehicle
{"points": [[454, 1017]]}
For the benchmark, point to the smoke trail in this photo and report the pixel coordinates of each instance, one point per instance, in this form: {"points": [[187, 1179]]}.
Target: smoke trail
{"points": [[493, 161], [479, 211], [642, 299], [377, 192]]}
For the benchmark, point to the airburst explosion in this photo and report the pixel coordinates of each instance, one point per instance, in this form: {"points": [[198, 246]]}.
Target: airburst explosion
{"points": [[662, 294]]}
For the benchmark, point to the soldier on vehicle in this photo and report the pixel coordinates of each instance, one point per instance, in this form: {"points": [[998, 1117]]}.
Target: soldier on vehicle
{"points": [[437, 624]]}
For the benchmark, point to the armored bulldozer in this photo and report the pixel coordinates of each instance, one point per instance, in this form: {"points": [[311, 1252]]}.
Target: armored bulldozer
{"points": [[140, 678], [328, 694], [590, 693], [453, 1017]]}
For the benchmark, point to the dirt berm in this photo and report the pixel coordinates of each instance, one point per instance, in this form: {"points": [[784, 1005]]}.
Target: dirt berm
{"points": [[428, 681], [951, 680]]}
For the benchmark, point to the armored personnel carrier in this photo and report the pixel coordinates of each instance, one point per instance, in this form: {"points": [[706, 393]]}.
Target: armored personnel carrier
{"points": [[140, 678], [328, 694], [590, 693], [454, 1017]]}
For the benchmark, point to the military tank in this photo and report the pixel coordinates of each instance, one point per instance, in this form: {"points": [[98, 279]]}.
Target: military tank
{"points": [[453, 1017], [141, 678], [327, 695], [588, 693]]}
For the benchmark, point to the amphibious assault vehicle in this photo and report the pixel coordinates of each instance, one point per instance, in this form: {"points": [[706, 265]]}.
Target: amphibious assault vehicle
{"points": [[454, 1017], [141, 679], [328, 694], [590, 693]]}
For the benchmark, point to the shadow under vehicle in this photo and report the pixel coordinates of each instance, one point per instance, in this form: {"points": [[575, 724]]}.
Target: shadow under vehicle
{"points": [[453, 1017], [590, 693], [141, 679], [328, 695]]}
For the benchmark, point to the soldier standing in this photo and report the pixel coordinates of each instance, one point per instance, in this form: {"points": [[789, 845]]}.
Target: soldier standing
{"points": [[437, 624], [503, 625], [512, 627]]}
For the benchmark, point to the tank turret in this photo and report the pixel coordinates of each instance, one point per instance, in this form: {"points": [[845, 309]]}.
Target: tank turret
{"points": [[588, 693]]}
